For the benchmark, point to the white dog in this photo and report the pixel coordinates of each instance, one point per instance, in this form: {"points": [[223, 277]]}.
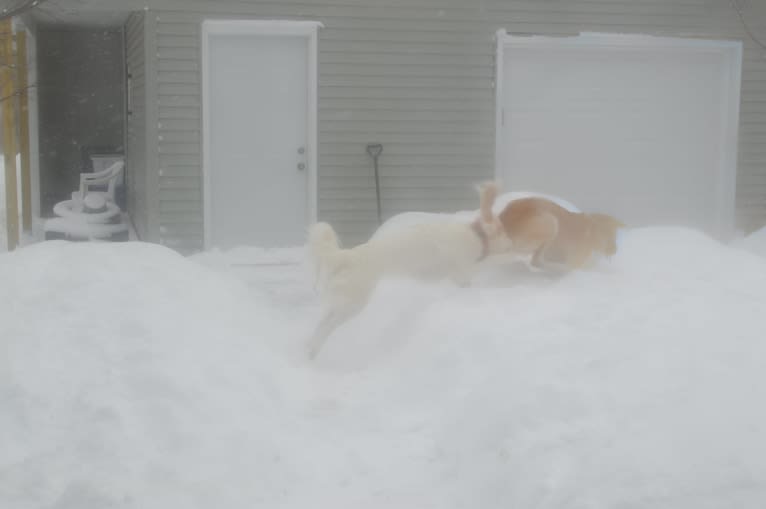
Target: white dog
{"points": [[430, 251]]}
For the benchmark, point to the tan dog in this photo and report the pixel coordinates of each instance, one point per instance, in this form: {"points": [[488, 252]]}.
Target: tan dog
{"points": [[556, 237]]}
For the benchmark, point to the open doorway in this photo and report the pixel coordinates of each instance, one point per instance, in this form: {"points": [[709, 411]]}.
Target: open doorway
{"points": [[82, 112]]}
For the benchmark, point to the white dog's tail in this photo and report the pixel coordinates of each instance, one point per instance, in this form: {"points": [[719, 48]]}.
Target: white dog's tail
{"points": [[324, 249]]}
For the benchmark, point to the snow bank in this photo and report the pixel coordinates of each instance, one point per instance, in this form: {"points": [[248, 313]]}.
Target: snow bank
{"points": [[132, 377], [755, 242]]}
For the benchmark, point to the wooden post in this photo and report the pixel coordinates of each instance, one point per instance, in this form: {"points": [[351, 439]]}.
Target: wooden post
{"points": [[26, 174], [9, 130]]}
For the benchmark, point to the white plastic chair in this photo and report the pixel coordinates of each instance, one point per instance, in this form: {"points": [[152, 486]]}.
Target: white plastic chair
{"points": [[107, 177], [103, 220]]}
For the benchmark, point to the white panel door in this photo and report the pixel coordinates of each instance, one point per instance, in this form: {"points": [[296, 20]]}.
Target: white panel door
{"points": [[637, 132], [257, 140]]}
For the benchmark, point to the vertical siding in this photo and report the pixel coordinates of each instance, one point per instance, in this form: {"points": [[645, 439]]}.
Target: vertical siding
{"points": [[417, 76], [136, 167]]}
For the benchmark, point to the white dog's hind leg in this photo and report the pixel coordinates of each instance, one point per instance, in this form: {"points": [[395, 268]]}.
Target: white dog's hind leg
{"points": [[330, 321], [461, 278], [328, 324]]}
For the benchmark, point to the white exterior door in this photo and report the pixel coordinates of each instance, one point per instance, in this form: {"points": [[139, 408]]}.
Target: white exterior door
{"points": [[639, 127], [258, 146]]}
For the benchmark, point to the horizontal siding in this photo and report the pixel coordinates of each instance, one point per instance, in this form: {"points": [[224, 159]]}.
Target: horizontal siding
{"points": [[136, 167], [426, 96], [417, 76]]}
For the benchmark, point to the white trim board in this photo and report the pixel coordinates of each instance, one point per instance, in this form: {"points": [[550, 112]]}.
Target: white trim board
{"points": [[306, 29], [732, 50]]}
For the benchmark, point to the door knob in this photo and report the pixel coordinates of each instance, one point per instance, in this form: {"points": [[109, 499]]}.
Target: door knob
{"points": [[301, 150], [301, 166]]}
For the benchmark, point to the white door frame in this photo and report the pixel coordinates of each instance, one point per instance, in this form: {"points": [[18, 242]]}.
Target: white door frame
{"points": [[307, 29], [727, 174]]}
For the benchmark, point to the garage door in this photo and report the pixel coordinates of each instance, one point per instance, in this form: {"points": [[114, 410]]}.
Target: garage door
{"points": [[641, 127]]}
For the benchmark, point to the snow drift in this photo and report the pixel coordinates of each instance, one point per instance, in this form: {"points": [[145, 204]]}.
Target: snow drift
{"points": [[131, 377], [755, 242]]}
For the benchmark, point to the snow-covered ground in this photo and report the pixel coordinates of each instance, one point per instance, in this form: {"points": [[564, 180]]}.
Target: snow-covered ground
{"points": [[132, 377], [755, 242]]}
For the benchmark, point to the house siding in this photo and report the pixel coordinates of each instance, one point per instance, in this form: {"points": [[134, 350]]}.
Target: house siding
{"points": [[416, 76], [136, 167]]}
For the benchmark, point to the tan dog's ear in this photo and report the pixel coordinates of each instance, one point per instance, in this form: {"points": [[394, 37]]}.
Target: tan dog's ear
{"points": [[616, 223], [608, 221]]}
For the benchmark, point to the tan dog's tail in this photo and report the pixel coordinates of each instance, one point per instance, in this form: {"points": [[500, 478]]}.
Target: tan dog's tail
{"points": [[487, 196]]}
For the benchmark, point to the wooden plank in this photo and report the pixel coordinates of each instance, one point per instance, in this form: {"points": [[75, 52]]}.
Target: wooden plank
{"points": [[26, 174], [9, 131]]}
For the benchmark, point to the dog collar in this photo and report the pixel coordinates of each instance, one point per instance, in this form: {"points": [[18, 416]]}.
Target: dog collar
{"points": [[479, 231]]}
